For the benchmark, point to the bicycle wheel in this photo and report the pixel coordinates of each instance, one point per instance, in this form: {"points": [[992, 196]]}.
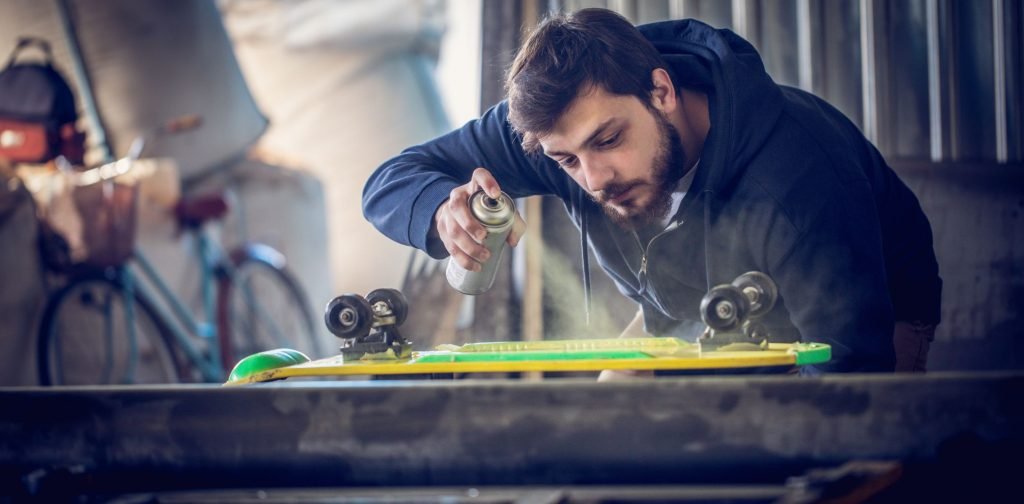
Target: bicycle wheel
{"points": [[262, 307], [89, 335]]}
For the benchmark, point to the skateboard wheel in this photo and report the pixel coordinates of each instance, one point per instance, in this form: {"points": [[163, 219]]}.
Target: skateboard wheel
{"points": [[755, 330], [724, 307], [394, 299], [349, 316], [760, 289]]}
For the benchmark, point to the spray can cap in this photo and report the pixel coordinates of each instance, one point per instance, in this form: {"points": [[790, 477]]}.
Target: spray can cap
{"points": [[492, 211]]}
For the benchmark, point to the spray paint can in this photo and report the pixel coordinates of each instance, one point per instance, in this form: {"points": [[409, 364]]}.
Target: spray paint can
{"points": [[497, 216]]}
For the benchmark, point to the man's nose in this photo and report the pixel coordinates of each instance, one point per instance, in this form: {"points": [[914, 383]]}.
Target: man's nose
{"points": [[597, 175]]}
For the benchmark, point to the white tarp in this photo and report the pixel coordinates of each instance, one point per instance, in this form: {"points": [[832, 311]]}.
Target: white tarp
{"points": [[346, 85]]}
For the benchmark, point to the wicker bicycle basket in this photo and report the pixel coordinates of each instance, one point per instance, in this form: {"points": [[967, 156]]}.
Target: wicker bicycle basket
{"points": [[107, 210], [89, 223]]}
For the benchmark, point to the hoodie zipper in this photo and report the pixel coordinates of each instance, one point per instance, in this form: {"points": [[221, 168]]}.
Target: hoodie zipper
{"points": [[645, 250]]}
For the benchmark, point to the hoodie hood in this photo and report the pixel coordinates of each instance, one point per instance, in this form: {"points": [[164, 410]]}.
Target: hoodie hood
{"points": [[743, 100]]}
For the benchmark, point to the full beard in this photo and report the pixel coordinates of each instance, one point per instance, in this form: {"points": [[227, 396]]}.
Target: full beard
{"points": [[666, 170]]}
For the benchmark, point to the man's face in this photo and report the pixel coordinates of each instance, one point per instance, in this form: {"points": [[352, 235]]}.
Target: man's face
{"points": [[627, 156]]}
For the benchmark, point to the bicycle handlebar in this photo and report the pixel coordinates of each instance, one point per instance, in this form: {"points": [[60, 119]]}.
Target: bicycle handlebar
{"points": [[123, 165]]}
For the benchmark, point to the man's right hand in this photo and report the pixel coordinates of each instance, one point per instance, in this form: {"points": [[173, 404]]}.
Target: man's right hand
{"points": [[461, 234]]}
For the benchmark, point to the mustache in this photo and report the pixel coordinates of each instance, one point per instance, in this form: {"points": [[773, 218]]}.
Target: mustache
{"points": [[613, 191]]}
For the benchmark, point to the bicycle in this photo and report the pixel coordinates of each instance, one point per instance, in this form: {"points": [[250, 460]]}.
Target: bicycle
{"points": [[104, 325]]}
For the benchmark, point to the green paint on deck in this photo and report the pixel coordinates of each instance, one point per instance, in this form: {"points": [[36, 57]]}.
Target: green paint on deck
{"points": [[811, 353], [265, 361], [437, 357]]}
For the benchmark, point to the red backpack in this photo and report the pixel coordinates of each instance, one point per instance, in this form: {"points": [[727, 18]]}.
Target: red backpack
{"points": [[37, 110]]}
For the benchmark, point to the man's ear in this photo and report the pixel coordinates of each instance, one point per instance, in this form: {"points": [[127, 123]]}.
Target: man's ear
{"points": [[663, 96]]}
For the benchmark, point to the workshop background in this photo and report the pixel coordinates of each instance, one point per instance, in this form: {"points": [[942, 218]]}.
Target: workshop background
{"points": [[302, 99]]}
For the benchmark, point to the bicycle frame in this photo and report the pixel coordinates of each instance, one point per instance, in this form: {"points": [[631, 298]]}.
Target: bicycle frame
{"points": [[206, 360], [213, 262]]}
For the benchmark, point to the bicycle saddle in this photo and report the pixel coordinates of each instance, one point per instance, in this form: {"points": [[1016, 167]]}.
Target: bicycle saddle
{"points": [[193, 211]]}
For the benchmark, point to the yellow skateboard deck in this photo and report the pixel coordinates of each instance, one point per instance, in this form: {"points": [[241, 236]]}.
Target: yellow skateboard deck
{"points": [[546, 356]]}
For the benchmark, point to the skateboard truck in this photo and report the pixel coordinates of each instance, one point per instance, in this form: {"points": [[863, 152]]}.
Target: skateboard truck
{"points": [[368, 326], [731, 312]]}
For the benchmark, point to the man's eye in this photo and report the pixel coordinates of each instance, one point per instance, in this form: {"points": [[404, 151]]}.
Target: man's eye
{"points": [[608, 142], [568, 162]]}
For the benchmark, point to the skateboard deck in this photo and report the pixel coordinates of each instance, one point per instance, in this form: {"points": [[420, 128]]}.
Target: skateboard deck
{"points": [[545, 356]]}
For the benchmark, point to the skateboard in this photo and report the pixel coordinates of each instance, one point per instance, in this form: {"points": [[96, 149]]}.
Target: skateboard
{"points": [[372, 345]]}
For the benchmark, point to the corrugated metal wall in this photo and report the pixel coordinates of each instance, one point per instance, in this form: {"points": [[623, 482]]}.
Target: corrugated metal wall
{"points": [[924, 79]]}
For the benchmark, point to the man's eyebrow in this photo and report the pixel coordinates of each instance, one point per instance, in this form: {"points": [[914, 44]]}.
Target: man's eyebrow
{"points": [[593, 136]]}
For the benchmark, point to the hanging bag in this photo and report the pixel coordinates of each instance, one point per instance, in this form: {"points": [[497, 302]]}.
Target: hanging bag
{"points": [[37, 110]]}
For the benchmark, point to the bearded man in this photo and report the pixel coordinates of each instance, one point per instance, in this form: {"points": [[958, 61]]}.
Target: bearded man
{"points": [[684, 165]]}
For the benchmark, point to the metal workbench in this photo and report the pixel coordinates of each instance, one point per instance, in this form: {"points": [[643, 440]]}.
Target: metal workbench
{"points": [[497, 433]]}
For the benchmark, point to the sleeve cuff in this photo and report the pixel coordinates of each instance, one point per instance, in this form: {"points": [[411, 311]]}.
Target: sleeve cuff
{"points": [[423, 210]]}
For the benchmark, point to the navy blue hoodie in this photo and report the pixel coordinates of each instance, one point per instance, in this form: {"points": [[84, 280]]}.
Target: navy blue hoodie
{"points": [[786, 185]]}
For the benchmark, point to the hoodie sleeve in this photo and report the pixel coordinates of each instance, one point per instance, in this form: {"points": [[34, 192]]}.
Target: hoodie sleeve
{"points": [[402, 195]]}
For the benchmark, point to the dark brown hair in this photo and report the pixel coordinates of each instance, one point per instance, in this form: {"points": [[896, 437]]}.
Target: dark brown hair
{"points": [[569, 53]]}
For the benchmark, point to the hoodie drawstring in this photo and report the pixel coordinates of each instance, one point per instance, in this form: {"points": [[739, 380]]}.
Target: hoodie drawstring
{"points": [[585, 246], [707, 193]]}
